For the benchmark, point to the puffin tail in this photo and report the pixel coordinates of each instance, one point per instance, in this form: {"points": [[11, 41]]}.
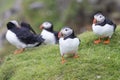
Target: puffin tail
{"points": [[40, 39]]}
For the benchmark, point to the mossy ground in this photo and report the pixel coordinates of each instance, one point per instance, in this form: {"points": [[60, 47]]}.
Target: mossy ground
{"points": [[95, 62]]}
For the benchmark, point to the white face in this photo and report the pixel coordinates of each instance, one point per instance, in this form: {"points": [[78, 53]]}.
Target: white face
{"points": [[66, 31], [15, 23], [47, 25], [99, 17]]}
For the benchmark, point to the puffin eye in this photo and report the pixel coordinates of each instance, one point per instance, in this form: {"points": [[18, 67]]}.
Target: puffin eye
{"points": [[66, 29], [100, 16]]}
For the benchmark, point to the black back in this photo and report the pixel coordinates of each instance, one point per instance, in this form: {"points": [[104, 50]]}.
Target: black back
{"points": [[70, 36], [24, 35]]}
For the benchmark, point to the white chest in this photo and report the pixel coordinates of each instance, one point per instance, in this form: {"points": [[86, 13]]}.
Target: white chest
{"points": [[49, 37], [12, 38], [106, 30], [68, 45]]}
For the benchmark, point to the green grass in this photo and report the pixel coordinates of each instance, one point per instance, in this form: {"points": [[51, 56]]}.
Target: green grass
{"points": [[5, 6], [48, 13], [96, 62]]}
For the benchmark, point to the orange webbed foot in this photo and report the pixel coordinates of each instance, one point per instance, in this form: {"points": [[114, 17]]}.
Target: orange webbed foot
{"points": [[97, 41], [63, 61], [107, 41], [19, 51], [76, 56]]}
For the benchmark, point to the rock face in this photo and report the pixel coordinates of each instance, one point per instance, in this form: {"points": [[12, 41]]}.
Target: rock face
{"points": [[17, 5], [2, 39], [36, 5], [0, 42], [84, 10], [63, 4], [4, 16]]}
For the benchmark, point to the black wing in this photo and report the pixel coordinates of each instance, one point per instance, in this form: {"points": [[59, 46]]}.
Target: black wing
{"points": [[27, 26], [108, 21], [25, 36], [56, 36], [111, 23]]}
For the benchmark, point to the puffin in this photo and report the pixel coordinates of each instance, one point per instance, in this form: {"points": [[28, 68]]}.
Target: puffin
{"points": [[50, 36], [68, 43], [103, 27], [21, 37]]}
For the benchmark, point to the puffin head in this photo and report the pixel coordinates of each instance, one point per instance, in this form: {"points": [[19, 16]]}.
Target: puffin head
{"points": [[65, 32], [12, 24], [98, 18], [47, 26]]}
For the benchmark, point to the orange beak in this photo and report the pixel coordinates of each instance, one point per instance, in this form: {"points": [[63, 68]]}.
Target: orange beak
{"points": [[94, 21], [59, 34], [41, 27]]}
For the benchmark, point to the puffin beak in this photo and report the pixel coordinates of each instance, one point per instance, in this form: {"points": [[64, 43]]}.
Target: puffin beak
{"points": [[41, 27], [94, 21], [60, 34]]}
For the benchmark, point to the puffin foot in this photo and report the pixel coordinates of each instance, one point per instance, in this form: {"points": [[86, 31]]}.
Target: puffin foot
{"points": [[19, 51], [97, 41], [76, 56], [107, 41], [63, 61]]}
